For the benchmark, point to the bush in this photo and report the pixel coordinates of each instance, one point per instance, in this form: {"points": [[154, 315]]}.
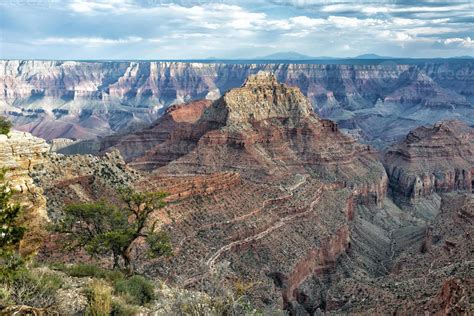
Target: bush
{"points": [[99, 295], [5, 125], [82, 270], [136, 290], [35, 288], [120, 308]]}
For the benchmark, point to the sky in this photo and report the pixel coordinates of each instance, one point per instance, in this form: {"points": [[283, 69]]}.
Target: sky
{"points": [[199, 29]]}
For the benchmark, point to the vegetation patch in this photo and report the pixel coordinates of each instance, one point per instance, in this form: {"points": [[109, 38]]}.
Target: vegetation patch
{"points": [[136, 290], [5, 125], [99, 296]]}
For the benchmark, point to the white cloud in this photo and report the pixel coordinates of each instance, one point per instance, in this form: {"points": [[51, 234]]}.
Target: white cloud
{"points": [[304, 21], [342, 21], [458, 42], [86, 41], [100, 6], [392, 8]]}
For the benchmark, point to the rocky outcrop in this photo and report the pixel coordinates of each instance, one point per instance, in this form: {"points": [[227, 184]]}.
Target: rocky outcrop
{"points": [[170, 137], [55, 99], [20, 154], [433, 159], [81, 178]]}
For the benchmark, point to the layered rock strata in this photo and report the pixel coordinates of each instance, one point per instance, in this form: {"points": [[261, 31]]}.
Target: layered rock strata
{"points": [[171, 136], [75, 178], [269, 194], [378, 102], [434, 159]]}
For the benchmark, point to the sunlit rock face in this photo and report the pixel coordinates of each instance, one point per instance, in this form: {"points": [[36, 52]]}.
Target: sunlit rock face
{"points": [[377, 102], [20, 154]]}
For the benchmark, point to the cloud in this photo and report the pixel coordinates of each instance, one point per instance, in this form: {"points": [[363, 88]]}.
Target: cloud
{"points": [[453, 43], [86, 41], [101, 6], [231, 28], [369, 9]]}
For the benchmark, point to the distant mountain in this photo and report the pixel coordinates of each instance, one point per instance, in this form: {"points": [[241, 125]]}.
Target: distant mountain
{"points": [[286, 56], [298, 56], [372, 56]]}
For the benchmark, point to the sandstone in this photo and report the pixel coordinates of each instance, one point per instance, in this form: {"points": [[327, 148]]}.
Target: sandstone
{"points": [[288, 203], [20, 154]]}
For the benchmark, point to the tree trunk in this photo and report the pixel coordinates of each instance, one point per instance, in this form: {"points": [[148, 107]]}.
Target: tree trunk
{"points": [[127, 259], [116, 261]]}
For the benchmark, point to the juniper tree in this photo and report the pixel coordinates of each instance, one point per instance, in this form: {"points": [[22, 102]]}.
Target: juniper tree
{"points": [[102, 228]]}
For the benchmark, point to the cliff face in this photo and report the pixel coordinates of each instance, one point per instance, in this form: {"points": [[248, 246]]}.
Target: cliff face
{"points": [[55, 99], [438, 158], [20, 154]]}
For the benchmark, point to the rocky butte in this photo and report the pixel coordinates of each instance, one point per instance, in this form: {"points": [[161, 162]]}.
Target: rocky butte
{"points": [[431, 160], [265, 192]]}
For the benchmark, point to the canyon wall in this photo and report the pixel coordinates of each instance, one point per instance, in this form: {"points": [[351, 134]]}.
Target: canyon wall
{"points": [[378, 101], [20, 154]]}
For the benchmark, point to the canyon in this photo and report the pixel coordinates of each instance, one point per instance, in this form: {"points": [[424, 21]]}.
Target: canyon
{"points": [[378, 101], [265, 190]]}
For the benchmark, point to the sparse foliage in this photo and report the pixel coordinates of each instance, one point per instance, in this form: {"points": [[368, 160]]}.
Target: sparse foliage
{"points": [[105, 229], [35, 288], [99, 295], [11, 232], [136, 290], [5, 125]]}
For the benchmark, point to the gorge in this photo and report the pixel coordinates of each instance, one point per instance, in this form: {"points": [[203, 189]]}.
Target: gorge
{"points": [[264, 189], [379, 101]]}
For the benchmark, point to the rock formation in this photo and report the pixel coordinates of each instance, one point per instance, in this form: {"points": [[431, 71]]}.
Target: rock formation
{"points": [[173, 135], [20, 154], [434, 159], [74, 178], [378, 102]]}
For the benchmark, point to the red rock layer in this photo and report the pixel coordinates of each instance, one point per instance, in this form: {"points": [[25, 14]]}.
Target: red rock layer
{"points": [[182, 187], [170, 137]]}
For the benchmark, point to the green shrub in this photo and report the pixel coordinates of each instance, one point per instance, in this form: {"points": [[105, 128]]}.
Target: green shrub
{"points": [[36, 288], [5, 125], [99, 295], [81, 270], [5, 296], [136, 290], [120, 308]]}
